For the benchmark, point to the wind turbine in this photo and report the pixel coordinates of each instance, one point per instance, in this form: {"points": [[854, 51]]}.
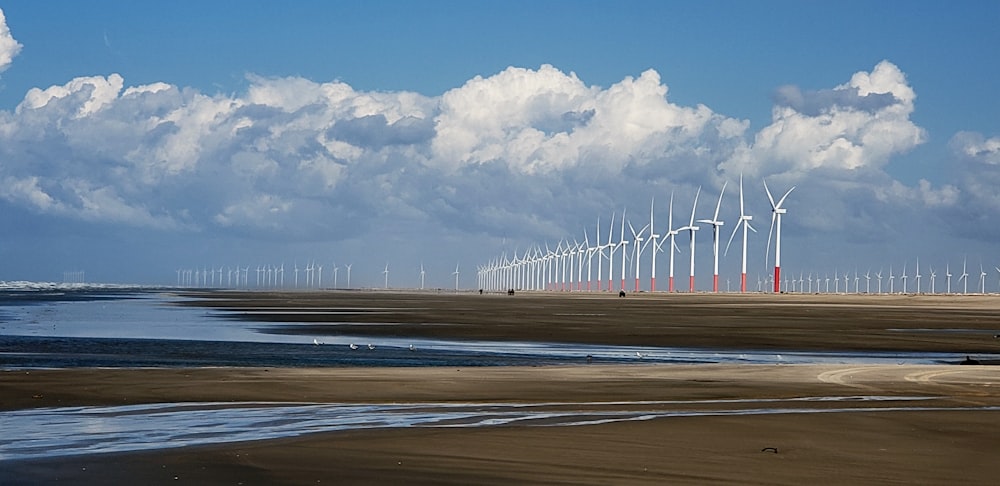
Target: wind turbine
{"points": [[776, 212], [386, 273], [982, 279], [868, 281], [691, 232], [892, 278], [998, 271], [455, 273], [715, 238], [653, 236], [878, 275], [917, 275], [600, 251], [624, 244], [933, 275], [422, 275], [743, 222], [637, 237], [964, 276], [348, 266], [672, 234], [947, 273], [903, 278]]}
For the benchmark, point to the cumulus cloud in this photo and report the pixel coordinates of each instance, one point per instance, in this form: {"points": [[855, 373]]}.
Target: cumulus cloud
{"points": [[529, 154], [856, 126], [9, 47]]}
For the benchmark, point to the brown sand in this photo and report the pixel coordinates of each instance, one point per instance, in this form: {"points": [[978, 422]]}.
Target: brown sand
{"points": [[860, 447]]}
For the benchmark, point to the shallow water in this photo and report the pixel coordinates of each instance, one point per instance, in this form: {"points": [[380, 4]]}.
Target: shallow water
{"points": [[50, 432], [120, 327]]}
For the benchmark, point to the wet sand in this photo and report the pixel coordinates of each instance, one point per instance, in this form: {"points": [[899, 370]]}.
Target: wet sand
{"points": [[838, 447]]}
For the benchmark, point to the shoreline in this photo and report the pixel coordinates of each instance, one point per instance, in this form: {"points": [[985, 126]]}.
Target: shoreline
{"points": [[944, 438]]}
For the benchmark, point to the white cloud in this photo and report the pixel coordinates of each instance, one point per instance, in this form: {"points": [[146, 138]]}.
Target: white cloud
{"points": [[527, 154], [857, 125], [9, 47]]}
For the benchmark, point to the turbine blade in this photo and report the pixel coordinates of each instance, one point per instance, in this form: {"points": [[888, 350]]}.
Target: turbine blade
{"points": [[767, 250], [782, 200], [741, 196], [695, 206], [735, 229], [718, 205], [768, 191]]}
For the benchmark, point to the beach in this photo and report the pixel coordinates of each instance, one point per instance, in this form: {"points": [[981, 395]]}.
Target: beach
{"points": [[628, 423]]}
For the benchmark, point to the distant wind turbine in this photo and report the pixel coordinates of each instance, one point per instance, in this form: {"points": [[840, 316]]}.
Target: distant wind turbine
{"points": [[455, 273]]}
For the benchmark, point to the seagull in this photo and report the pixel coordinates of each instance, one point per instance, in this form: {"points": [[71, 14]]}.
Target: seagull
{"points": [[353, 346], [412, 348], [641, 355], [371, 346], [316, 342]]}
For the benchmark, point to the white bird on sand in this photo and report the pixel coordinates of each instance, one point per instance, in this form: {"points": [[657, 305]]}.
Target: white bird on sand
{"points": [[353, 346]]}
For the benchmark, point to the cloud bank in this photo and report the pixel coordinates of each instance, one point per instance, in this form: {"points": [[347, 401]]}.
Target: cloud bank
{"points": [[524, 155]]}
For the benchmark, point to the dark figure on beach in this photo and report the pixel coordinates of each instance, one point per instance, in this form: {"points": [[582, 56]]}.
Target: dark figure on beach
{"points": [[480, 291], [621, 293], [510, 291], [969, 361]]}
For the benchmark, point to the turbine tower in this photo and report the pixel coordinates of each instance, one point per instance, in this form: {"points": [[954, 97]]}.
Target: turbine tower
{"points": [[386, 272], [672, 234], [637, 237], [776, 212], [624, 244], [715, 238], [743, 222], [653, 236], [455, 273], [691, 232]]}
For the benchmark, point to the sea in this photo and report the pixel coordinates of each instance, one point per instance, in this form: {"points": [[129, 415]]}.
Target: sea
{"points": [[52, 325]]}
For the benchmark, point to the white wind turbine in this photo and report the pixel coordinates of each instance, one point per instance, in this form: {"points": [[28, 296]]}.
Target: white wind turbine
{"points": [[892, 279], [386, 273], [964, 276], [639, 247], [744, 222], [672, 234], [348, 267], [878, 275], [916, 276], [933, 276], [868, 281], [600, 251], [903, 278], [715, 238], [422, 275], [947, 273], [653, 237], [336, 270], [624, 244], [776, 212], [691, 232], [982, 279], [455, 273]]}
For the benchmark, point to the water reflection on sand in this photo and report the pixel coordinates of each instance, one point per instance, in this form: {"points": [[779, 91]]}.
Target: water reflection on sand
{"points": [[48, 432]]}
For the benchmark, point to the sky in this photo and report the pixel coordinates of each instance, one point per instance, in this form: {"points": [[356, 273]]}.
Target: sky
{"points": [[139, 138]]}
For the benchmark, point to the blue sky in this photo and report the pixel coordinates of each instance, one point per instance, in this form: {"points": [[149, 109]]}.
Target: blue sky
{"points": [[124, 187]]}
